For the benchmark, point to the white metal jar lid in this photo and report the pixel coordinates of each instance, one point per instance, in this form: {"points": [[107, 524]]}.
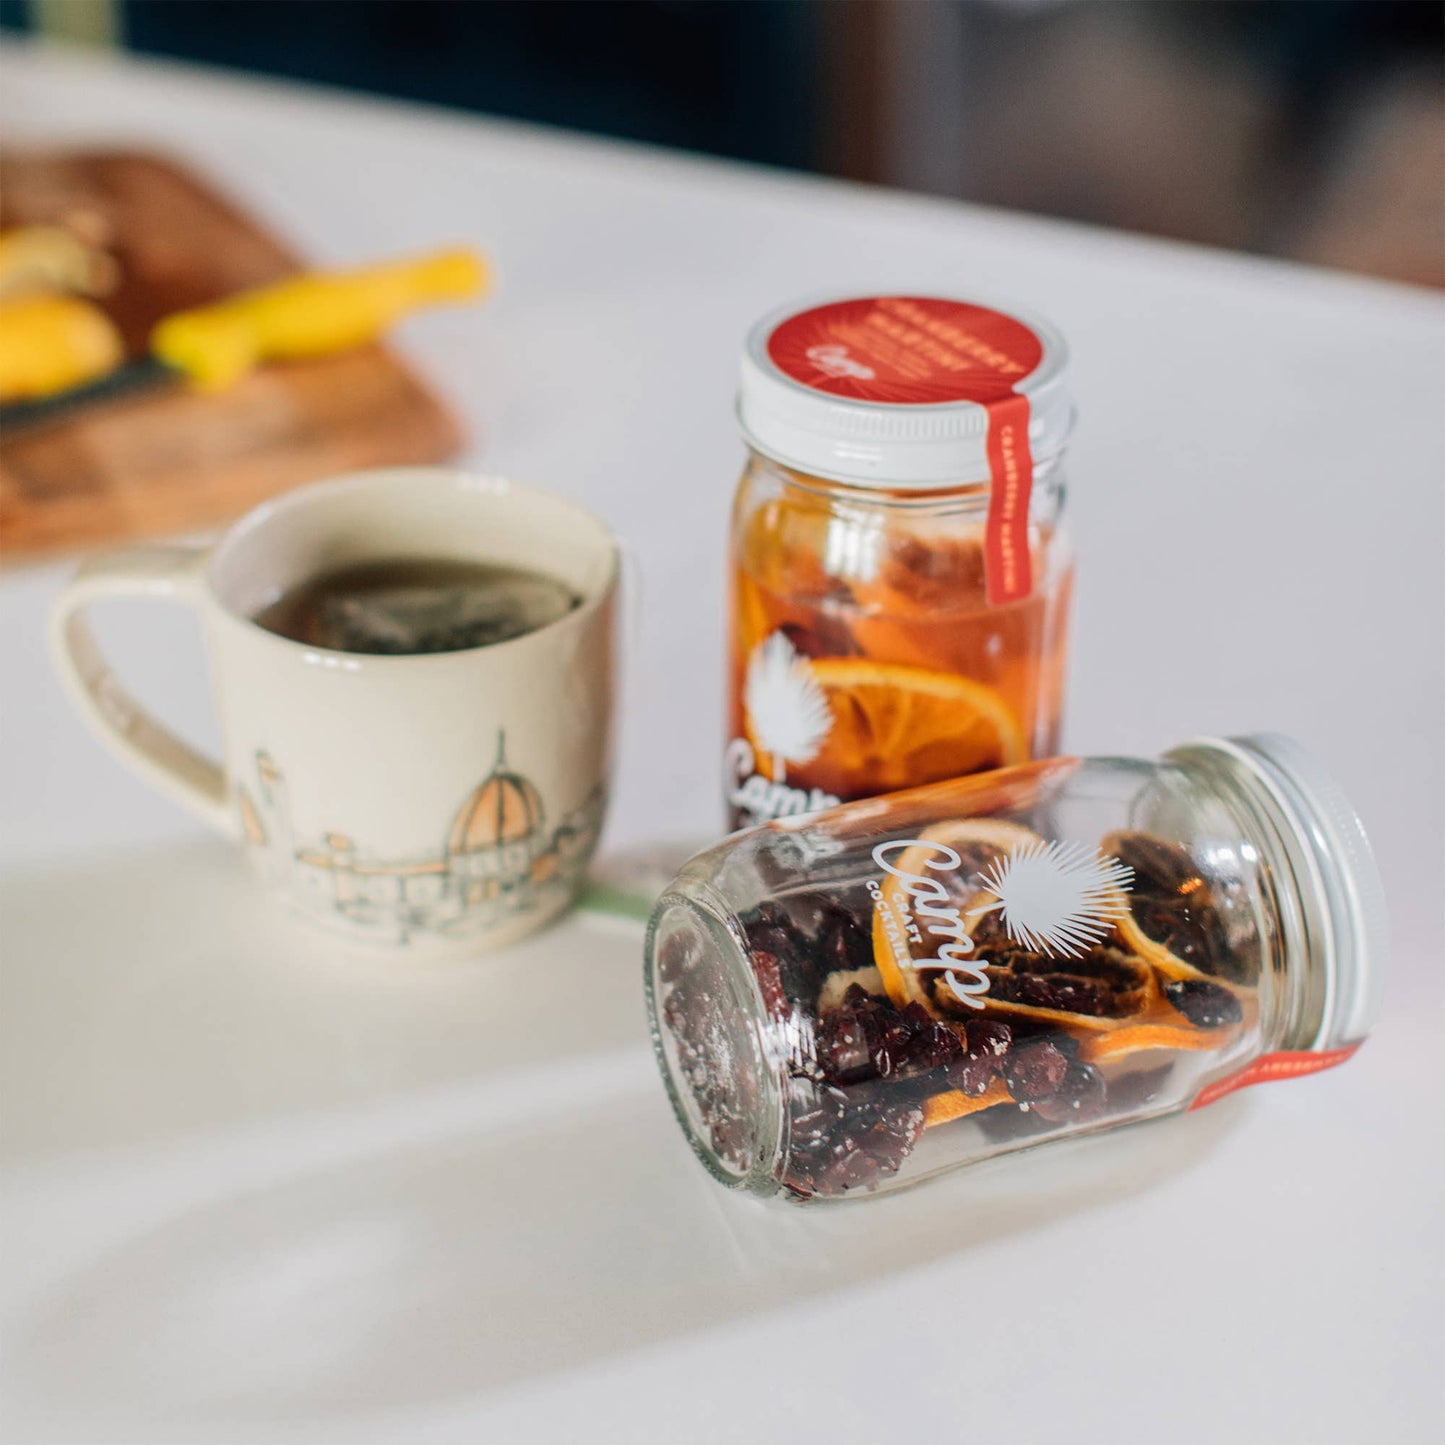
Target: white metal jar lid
{"points": [[897, 390]]}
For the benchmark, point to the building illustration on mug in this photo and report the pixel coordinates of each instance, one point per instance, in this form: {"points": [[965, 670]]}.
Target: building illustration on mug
{"points": [[496, 860]]}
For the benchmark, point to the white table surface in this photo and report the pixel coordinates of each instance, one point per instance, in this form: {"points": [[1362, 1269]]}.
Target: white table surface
{"points": [[258, 1193]]}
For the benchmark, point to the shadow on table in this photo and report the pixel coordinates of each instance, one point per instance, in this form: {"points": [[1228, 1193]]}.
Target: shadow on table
{"points": [[160, 995], [449, 1271], [302, 1182]]}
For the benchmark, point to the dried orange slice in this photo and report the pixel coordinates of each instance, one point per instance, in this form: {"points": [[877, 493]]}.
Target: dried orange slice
{"points": [[896, 727], [1122, 1002], [953, 1104], [1134, 1038], [1173, 919], [976, 842], [1110, 989], [1112, 999]]}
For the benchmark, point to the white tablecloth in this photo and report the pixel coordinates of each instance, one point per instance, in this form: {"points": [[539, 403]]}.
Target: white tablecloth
{"points": [[254, 1193]]}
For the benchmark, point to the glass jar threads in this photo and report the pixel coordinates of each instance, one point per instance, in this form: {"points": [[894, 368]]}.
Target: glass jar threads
{"points": [[861, 999], [899, 568]]}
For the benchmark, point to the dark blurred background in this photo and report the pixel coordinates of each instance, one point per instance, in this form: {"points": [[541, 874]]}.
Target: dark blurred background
{"points": [[1313, 129]]}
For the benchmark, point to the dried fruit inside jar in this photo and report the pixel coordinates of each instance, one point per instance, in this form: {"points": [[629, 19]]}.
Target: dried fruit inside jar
{"points": [[866, 658], [1049, 1039], [876, 994]]}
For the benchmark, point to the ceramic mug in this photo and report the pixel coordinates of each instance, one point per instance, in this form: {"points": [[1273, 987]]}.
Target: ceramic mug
{"points": [[443, 802]]}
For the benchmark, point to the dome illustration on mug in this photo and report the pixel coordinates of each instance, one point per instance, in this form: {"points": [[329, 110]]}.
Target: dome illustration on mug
{"points": [[498, 858]]}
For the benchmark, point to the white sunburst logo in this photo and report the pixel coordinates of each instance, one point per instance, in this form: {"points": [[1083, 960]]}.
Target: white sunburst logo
{"points": [[787, 710], [1058, 899]]}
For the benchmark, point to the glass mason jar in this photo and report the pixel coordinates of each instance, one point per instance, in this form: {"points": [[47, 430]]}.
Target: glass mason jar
{"points": [[860, 999], [900, 571]]}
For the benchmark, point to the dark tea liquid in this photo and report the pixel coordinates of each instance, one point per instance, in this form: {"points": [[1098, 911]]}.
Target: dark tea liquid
{"points": [[408, 605]]}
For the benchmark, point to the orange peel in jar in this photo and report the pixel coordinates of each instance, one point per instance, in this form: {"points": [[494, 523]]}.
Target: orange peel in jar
{"points": [[1125, 1004], [894, 727], [953, 1104], [1172, 918], [977, 842]]}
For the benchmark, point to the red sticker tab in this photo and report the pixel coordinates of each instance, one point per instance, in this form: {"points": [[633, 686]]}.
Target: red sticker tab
{"points": [[1007, 571], [1269, 1067], [918, 351]]}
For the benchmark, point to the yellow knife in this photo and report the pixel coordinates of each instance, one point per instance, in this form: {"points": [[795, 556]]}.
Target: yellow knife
{"points": [[58, 352]]}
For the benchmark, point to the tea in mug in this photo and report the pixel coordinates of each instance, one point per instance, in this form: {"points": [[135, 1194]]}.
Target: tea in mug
{"points": [[409, 605]]}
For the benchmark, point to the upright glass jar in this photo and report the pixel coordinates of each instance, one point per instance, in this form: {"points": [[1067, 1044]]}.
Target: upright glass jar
{"points": [[860, 999], [899, 567]]}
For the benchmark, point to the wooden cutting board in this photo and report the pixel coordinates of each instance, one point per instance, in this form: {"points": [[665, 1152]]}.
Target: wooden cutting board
{"points": [[174, 461]]}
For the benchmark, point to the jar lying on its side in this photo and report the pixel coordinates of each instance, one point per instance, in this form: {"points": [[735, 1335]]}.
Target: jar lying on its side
{"points": [[863, 998]]}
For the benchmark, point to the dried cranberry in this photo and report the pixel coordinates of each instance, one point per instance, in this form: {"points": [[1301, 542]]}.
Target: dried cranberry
{"points": [[768, 926], [1066, 1044], [827, 637], [815, 937], [844, 1051], [851, 1168], [839, 1143], [932, 1044], [971, 1075], [1035, 1069], [770, 983], [804, 914], [893, 1133], [1081, 1097], [816, 1113], [1057, 991], [865, 1039], [891, 1039], [843, 942], [916, 1016], [781, 950], [769, 938], [1209, 1005], [988, 1044], [989, 1038]]}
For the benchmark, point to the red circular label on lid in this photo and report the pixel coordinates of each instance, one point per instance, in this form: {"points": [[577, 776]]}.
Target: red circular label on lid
{"points": [[906, 350]]}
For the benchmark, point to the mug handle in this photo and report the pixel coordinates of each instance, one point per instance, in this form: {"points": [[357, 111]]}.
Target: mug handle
{"points": [[131, 733]]}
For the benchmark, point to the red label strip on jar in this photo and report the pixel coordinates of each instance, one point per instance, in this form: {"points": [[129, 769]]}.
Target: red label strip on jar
{"points": [[1269, 1067], [1007, 570], [921, 351]]}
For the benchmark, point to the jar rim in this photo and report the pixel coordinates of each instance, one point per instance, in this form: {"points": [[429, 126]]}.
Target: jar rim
{"points": [[971, 491], [725, 977]]}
